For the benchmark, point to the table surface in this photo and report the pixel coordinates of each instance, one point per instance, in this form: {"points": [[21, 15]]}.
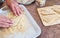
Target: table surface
{"points": [[50, 31]]}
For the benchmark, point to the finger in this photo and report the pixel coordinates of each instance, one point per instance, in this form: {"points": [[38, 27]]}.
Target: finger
{"points": [[2, 24], [10, 25], [9, 22], [14, 11], [17, 10], [5, 19], [21, 10]]}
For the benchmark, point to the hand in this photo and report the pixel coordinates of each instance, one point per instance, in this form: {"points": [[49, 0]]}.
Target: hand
{"points": [[14, 6], [5, 22]]}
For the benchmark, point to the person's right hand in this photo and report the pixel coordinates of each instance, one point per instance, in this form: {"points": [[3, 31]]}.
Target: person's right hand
{"points": [[14, 6], [5, 22]]}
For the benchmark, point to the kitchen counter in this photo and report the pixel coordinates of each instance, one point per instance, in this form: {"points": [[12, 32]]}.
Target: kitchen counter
{"points": [[50, 31]]}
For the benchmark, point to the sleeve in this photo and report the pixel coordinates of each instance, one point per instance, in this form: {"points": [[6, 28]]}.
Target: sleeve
{"points": [[1, 1]]}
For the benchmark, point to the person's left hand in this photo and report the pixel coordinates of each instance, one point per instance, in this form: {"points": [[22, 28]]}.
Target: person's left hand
{"points": [[14, 6], [5, 22]]}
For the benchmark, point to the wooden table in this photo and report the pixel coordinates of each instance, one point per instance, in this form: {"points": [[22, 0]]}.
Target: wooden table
{"points": [[50, 31]]}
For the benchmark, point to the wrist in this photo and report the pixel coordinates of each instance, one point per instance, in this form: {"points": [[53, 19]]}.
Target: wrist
{"points": [[8, 2]]}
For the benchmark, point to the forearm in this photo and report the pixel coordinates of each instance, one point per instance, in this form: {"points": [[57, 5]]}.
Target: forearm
{"points": [[9, 2]]}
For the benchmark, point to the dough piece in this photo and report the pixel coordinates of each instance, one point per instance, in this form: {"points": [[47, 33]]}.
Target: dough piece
{"points": [[14, 27], [20, 24], [46, 19], [22, 1], [57, 10], [41, 2], [49, 16], [46, 11]]}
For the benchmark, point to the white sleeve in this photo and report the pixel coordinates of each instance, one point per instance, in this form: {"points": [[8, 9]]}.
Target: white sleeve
{"points": [[2, 0]]}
